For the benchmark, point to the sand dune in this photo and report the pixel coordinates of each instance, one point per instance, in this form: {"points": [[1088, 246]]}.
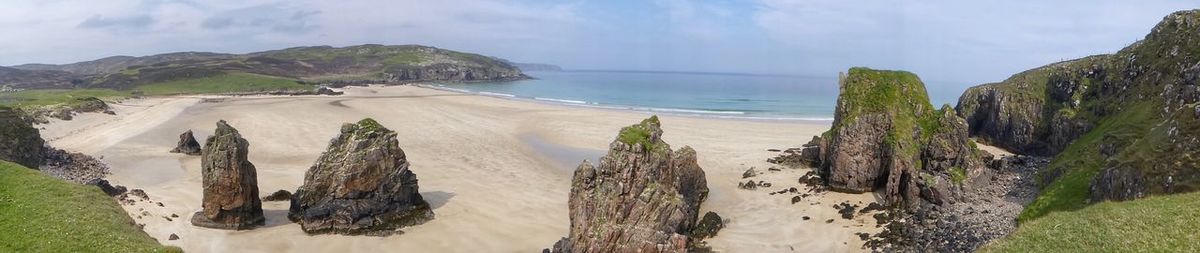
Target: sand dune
{"points": [[496, 171]]}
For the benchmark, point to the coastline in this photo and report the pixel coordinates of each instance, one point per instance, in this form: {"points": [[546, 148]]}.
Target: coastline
{"points": [[492, 187], [702, 113]]}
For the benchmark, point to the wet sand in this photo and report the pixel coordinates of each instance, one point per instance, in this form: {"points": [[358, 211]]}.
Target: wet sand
{"points": [[496, 171]]}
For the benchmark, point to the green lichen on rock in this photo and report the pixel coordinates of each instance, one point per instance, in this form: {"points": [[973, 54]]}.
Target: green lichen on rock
{"points": [[642, 134]]}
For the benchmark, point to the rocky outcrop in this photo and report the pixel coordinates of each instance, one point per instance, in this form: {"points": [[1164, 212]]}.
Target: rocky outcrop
{"points": [[19, 141], [230, 183], [886, 135], [361, 184], [1138, 106], [642, 197], [74, 167], [187, 144]]}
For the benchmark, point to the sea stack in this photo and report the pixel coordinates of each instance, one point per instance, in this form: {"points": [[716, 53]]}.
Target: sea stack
{"points": [[19, 141], [642, 197], [887, 135], [361, 184], [230, 183], [187, 144]]}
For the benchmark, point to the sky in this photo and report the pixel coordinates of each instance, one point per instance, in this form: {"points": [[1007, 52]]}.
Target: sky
{"points": [[954, 41]]}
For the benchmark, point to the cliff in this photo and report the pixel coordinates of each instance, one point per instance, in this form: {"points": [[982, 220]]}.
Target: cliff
{"points": [[1120, 126]]}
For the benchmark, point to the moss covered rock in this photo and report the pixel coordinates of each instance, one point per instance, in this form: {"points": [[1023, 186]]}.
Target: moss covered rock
{"points": [[886, 135], [642, 197], [361, 184], [19, 141]]}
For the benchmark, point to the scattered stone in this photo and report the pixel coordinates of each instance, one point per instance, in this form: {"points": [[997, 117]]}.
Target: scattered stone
{"points": [[280, 195], [361, 184], [748, 185], [764, 184], [749, 173], [174, 216], [187, 144], [863, 236], [806, 218], [645, 197], [774, 169], [872, 207], [796, 199], [846, 209], [173, 237], [230, 183], [772, 150], [829, 221], [167, 218]]}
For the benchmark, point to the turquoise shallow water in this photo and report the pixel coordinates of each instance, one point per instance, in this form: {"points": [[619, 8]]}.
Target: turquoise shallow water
{"points": [[704, 94]]}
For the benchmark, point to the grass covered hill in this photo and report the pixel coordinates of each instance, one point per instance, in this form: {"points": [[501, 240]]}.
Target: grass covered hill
{"points": [[43, 214], [1120, 126], [1155, 224]]}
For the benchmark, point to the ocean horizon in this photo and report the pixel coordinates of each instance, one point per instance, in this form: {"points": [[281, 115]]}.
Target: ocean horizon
{"points": [[707, 94]]}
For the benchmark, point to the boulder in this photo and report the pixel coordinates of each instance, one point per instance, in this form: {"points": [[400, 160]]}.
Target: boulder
{"points": [[19, 141], [280, 195], [642, 197], [187, 144], [361, 184], [109, 189], [708, 226], [230, 183]]}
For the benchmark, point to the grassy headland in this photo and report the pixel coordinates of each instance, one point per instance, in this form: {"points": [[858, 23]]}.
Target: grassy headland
{"points": [[1154, 224], [43, 214]]}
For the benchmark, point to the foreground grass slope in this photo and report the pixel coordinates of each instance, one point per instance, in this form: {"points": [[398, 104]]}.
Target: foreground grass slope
{"points": [[42, 214], [1156, 224]]}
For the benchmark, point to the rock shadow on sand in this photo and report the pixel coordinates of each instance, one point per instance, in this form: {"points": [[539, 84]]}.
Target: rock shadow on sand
{"points": [[436, 199]]}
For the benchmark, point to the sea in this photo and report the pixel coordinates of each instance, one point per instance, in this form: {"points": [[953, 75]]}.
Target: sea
{"points": [[721, 95]]}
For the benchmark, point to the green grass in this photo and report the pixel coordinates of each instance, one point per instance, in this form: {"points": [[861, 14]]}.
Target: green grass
{"points": [[43, 214], [33, 98], [1155, 224], [640, 134], [1081, 161], [958, 175], [227, 83]]}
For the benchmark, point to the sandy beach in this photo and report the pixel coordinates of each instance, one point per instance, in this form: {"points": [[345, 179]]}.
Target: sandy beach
{"points": [[496, 171]]}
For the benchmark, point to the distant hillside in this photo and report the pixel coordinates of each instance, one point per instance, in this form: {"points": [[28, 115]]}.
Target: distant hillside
{"points": [[322, 64], [537, 67], [118, 63], [19, 78]]}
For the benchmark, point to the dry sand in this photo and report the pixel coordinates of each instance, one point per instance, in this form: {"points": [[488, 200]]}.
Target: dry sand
{"points": [[496, 171]]}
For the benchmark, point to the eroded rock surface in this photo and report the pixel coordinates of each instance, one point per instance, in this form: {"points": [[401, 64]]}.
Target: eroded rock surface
{"points": [[230, 183], [642, 197], [361, 184]]}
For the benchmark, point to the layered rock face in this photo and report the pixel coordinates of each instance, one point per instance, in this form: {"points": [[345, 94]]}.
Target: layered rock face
{"points": [[641, 198], [1126, 120], [187, 144], [19, 141], [230, 183], [360, 185], [887, 135]]}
